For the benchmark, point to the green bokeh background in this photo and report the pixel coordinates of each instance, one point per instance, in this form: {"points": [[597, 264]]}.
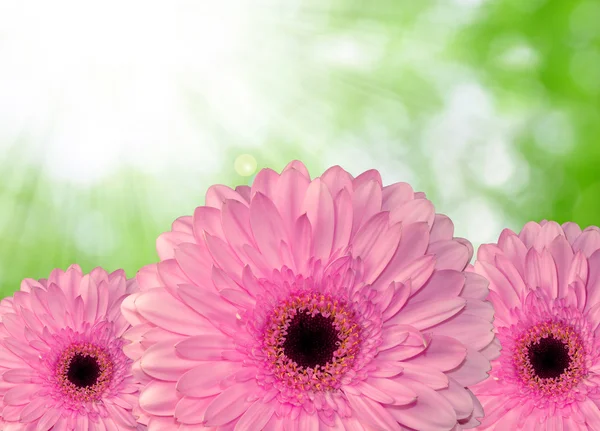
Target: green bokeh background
{"points": [[492, 107]]}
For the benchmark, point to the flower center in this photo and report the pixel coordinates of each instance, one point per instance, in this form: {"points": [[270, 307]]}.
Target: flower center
{"points": [[549, 357], [311, 340], [84, 371]]}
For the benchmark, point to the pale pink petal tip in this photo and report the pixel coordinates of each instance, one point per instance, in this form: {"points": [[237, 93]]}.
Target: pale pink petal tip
{"points": [[333, 303], [62, 365]]}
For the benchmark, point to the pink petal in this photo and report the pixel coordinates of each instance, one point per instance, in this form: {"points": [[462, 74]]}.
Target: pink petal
{"points": [[162, 362], [540, 271], [450, 254], [147, 277], [307, 422], [297, 165], [207, 219], [588, 242], [33, 410], [370, 391], [459, 398], [400, 394], [229, 404], [120, 416], [572, 231], [256, 417], [337, 179], [48, 420], [446, 283], [217, 194], [159, 307], [159, 398], [318, 205], [205, 347], [267, 227], [430, 412], [499, 283], [372, 413], [415, 211], [396, 195], [183, 224], [191, 410], [366, 177], [547, 234], [578, 269], [401, 293], [167, 243], [344, 216], [513, 249], [375, 243], [473, 370], [476, 286], [205, 379], [423, 315], [210, 305], [195, 261], [224, 256], [395, 335], [593, 284], [443, 353], [265, 182], [235, 218], [562, 255], [244, 192], [20, 375], [413, 243], [19, 395], [289, 194], [470, 330], [366, 202], [302, 243], [431, 377], [591, 412], [529, 233], [442, 229]]}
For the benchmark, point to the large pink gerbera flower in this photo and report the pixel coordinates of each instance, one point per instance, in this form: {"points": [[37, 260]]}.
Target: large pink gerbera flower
{"points": [[331, 304], [62, 366], [545, 287]]}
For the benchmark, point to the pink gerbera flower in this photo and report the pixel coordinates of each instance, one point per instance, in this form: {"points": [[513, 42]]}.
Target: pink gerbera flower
{"points": [[62, 365], [331, 304], [545, 287]]}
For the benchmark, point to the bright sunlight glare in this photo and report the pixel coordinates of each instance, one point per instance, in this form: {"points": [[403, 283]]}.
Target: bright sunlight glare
{"points": [[95, 82]]}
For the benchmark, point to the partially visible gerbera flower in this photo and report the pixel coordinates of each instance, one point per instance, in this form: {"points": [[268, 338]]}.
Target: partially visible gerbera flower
{"points": [[331, 304], [62, 365], [545, 287]]}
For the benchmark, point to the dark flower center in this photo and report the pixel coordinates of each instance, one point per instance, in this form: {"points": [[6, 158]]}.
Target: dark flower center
{"points": [[311, 340], [549, 358], [83, 371]]}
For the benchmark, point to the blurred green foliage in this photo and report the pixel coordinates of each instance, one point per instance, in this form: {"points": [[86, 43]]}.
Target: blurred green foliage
{"points": [[364, 85]]}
